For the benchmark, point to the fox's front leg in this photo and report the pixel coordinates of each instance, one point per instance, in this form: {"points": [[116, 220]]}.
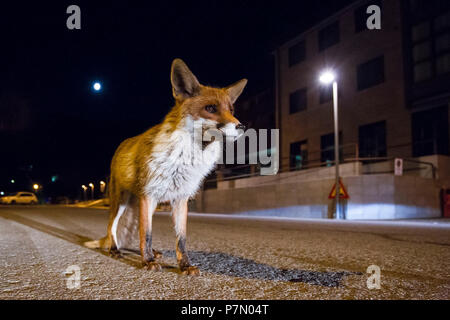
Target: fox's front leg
{"points": [[147, 207], [179, 217]]}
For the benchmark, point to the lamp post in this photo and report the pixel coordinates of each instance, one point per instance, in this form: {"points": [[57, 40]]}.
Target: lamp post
{"points": [[92, 190], [102, 187], [326, 78], [84, 191]]}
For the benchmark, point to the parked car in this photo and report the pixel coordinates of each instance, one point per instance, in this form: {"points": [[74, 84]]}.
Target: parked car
{"points": [[20, 198]]}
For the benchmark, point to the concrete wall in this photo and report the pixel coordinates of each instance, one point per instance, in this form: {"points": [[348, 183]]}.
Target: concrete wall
{"points": [[346, 170], [371, 197]]}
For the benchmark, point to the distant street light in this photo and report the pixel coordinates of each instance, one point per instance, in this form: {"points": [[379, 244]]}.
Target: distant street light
{"points": [[92, 190], [35, 187], [84, 191], [102, 186], [326, 78], [13, 181]]}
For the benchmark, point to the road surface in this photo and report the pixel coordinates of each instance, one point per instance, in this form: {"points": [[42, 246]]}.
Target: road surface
{"points": [[240, 258]]}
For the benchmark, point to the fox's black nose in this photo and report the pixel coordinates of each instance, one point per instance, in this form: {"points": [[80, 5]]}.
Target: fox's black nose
{"points": [[240, 126]]}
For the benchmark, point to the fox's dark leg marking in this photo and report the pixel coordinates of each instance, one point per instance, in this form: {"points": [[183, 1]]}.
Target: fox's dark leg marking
{"points": [[179, 217], [148, 252], [182, 256], [147, 207]]}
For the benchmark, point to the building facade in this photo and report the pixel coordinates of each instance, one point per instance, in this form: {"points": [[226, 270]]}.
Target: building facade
{"points": [[394, 84], [394, 95]]}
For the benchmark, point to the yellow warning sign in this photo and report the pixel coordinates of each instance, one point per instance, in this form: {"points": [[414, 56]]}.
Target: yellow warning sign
{"points": [[342, 192]]}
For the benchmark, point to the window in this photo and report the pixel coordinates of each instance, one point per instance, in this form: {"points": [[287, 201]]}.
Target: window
{"points": [[422, 51], [430, 132], [327, 147], [325, 93], [421, 31], [371, 73], [372, 140], [297, 53], [298, 155], [361, 16], [422, 71], [443, 64], [431, 47], [329, 36], [443, 43], [442, 22], [421, 8], [297, 101]]}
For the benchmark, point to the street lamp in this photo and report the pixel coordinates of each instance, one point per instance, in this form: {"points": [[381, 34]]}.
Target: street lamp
{"points": [[35, 187], [92, 190], [102, 186], [84, 191], [326, 78]]}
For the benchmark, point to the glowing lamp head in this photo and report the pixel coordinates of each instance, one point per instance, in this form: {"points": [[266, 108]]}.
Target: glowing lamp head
{"points": [[35, 186], [97, 86], [327, 77]]}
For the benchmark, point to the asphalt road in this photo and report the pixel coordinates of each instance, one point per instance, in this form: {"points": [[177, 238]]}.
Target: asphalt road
{"points": [[240, 258]]}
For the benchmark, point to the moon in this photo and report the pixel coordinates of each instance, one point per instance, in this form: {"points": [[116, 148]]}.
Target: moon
{"points": [[97, 86]]}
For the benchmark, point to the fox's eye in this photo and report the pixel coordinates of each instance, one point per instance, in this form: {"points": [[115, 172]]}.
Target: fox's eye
{"points": [[211, 108]]}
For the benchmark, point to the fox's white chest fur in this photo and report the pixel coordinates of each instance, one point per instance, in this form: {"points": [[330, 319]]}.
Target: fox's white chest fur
{"points": [[178, 163]]}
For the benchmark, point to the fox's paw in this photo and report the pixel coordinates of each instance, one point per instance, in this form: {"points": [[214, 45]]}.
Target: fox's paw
{"points": [[153, 266], [157, 254], [190, 271], [115, 253]]}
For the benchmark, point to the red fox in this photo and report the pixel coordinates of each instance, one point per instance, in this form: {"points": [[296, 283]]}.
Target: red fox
{"points": [[157, 165]]}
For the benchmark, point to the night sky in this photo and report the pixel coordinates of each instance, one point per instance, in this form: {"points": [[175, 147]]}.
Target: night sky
{"points": [[53, 123]]}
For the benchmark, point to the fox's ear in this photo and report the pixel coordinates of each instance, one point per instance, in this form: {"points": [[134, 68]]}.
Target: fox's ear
{"points": [[184, 83], [235, 90]]}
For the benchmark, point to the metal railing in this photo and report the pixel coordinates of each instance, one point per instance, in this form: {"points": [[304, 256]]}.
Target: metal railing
{"points": [[370, 165]]}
